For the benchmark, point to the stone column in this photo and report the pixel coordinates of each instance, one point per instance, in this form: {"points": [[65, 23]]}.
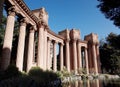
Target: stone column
{"points": [[86, 61], [95, 58], [48, 56], [88, 83], [67, 55], [7, 45], [21, 43], [30, 49], [75, 56], [40, 52], [61, 56], [79, 56], [54, 57], [45, 49], [98, 59]]}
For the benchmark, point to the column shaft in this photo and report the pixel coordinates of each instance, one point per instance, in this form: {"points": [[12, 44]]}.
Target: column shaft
{"points": [[98, 59], [30, 50], [45, 50], [48, 56], [7, 45], [20, 49], [79, 56], [67, 56], [54, 58], [75, 56], [61, 57], [86, 61], [40, 47], [95, 59]]}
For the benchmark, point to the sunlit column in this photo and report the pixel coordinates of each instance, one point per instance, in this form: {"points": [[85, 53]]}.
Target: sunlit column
{"points": [[30, 49], [67, 56], [76, 84], [21, 43], [80, 83], [54, 57], [79, 56], [40, 47], [45, 50], [7, 45], [97, 83], [98, 58], [48, 50], [95, 58], [61, 56], [86, 61], [51, 55], [75, 56], [88, 83]]}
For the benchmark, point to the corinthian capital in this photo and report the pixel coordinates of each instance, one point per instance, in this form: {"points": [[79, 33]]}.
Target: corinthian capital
{"points": [[23, 22], [11, 11]]}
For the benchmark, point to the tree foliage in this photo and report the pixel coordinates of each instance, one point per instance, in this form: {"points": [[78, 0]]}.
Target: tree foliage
{"points": [[2, 31], [1, 9], [110, 54], [111, 10]]}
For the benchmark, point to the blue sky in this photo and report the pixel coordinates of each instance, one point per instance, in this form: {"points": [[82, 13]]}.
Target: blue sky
{"points": [[78, 14]]}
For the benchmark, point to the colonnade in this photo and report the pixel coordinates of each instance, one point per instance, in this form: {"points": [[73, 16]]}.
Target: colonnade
{"points": [[52, 60], [7, 45], [74, 54]]}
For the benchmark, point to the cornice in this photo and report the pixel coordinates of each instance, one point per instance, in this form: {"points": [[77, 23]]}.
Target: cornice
{"points": [[24, 8], [22, 4], [56, 35]]}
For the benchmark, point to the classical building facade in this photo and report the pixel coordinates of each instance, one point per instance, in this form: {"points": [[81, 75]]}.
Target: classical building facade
{"points": [[37, 44]]}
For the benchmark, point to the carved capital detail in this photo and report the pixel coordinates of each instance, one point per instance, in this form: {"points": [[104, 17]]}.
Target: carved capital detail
{"points": [[11, 11], [49, 39], [32, 29], [23, 22]]}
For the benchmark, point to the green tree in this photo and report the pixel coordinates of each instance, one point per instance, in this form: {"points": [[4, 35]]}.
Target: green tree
{"points": [[111, 10], [110, 54], [2, 30], [1, 9]]}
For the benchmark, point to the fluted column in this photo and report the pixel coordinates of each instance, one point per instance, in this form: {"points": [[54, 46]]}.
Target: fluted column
{"points": [[75, 56], [61, 56], [86, 61], [7, 45], [48, 51], [54, 57], [67, 55], [95, 58], [21, 43], [30, 49], [40, 52], [79, 56]]}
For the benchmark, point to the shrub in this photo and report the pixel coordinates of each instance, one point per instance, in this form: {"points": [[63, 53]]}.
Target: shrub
{"points": [[82, 71], [11, 72], [41, 76], [65, 72]]}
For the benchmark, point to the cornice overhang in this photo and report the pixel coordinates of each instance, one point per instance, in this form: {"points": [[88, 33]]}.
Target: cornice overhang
{"points": [[56, 35], [24, 8]]}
